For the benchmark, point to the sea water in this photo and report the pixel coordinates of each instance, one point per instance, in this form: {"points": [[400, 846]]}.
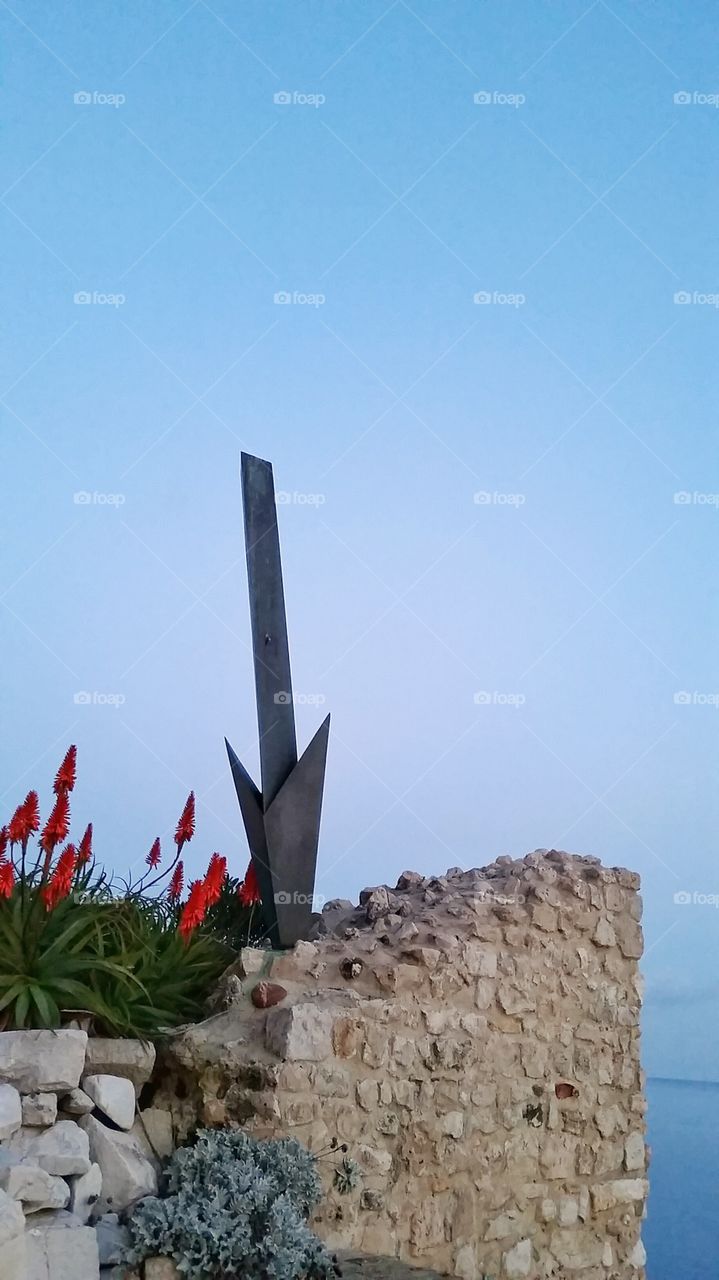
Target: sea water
{"points": [[681, 1233]]}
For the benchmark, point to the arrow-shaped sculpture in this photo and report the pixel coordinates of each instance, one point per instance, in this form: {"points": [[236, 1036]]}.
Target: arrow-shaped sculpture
{"points": [[282, 821]]}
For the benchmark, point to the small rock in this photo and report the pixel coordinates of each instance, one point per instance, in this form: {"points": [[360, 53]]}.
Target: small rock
{"points": [[158, 1129], [10, 1111], [39, 1109], [131, 1059], [518, 1261], [34, 1187], [114, 1097], [351, 967], [77, 1103], [112, 1239], [85, 1193], [251, 960], [300, 1033], [161, 1269], [62, 1150], [410, 880], [267, 994]]}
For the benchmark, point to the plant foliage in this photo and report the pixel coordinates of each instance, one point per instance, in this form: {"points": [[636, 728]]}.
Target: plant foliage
{"points": [[235, 1207], [133, 958]]}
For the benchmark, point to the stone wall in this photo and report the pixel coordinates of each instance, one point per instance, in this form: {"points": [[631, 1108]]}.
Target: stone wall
{"points": [[474, 1040], [75, 1150]]}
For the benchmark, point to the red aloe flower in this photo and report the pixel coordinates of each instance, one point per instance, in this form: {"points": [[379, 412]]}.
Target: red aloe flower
{"points": [[193, 912], [25, 820], [84, 852], [186, 826], [7, 879], [57, 825], [249, 890], [65, 776], [61, 881], [3, 844], [17, 825], [153, 857], [215, 878], [178, 876]]}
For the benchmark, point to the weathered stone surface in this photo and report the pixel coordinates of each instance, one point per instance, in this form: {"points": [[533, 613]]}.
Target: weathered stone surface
{"points": [[300, 1033], [518, 1260], [474, 1038], [10, 1111], [35, 1188], [127, 1173], [61, 1248], [114, 1097], [131, 1059], [12, 1219], [45, 1061], [62, 1150], [158, 1130], [161, 1269], [85, 1193], [77, 1103], [113, 1239], [39, 1109]]}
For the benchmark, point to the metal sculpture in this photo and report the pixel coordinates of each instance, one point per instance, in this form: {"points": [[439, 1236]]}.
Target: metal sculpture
{"points": [[282, 821]]}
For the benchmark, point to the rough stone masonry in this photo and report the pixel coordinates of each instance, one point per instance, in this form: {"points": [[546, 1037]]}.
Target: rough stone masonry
{"points": [[474, 1039]]}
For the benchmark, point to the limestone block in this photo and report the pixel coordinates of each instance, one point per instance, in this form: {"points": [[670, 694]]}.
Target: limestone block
{"points": [[127, 1173], [114, 1097], [85, 1193], [61, 1248], [42, 1060], [607, 1195], [62, 1150], [12, 1220], [518, 1260], [13, 1259], [131, 1059], [302, 1033], [634, 1156], [77, 1103], [39, 1109], [10, 1111], [35, 1188]]}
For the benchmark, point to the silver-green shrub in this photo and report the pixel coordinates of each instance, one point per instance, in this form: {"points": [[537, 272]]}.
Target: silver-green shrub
{"points": [[235, 1208]]}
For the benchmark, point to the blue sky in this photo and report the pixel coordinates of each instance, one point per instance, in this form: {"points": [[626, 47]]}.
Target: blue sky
{"points": [[481, 402]]}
